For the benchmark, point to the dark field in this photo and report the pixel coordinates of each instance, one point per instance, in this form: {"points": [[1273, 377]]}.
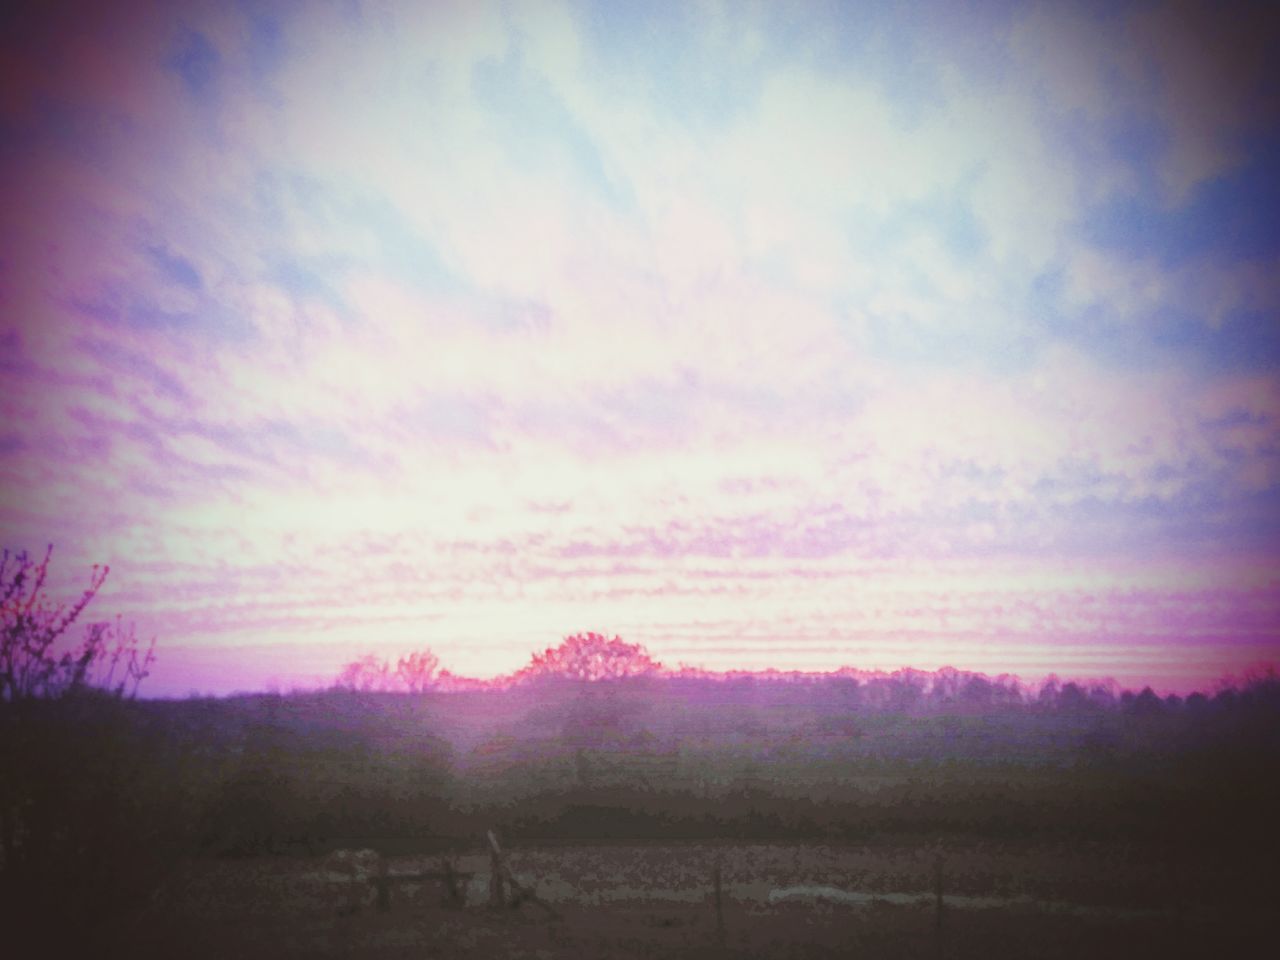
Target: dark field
{"points": [[834, 814], [647, 900]]}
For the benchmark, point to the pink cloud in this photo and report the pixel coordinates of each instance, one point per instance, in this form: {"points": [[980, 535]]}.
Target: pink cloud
{"points": [[315, 350]]}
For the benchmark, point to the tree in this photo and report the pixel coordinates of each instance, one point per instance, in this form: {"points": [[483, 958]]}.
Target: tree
{"points": [[1072, 699], [977, 691], [417, 671], [1145, 704], [367, 674], [34, 663], [590, 657]]}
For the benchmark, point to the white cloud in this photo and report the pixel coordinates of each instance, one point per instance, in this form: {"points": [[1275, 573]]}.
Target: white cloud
{"points": [[682, 373]]}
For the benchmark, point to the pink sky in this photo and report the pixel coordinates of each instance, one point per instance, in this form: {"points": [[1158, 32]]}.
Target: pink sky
{"points": [[871, 338]]}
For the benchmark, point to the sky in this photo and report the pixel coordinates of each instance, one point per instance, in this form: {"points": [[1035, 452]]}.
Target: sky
{"points": [[795, 335]]}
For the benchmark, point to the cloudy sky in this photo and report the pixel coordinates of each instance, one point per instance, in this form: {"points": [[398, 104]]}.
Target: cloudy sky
{"points": [[795, 335]]}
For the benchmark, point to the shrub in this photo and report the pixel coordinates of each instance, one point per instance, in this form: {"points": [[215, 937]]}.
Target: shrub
{"points": [[33, 662]]}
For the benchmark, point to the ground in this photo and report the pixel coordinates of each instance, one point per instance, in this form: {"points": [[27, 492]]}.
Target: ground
{"points": [[647, 900]]}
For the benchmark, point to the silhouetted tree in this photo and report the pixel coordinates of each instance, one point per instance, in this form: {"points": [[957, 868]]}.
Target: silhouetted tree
{"points": [[368, 673], [413, 673], [417, 671], [588, 657], [33, 663], [1047, 696], [905, 689], [1072, 699], [1145, 704], [977, 691]]}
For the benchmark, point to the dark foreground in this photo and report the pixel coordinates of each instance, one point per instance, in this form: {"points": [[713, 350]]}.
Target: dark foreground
{"points": [[1070, 826], [646, 900]]}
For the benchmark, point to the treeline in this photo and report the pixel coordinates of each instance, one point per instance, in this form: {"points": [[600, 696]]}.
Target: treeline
{"points": [[293, 773], [592, 658]]}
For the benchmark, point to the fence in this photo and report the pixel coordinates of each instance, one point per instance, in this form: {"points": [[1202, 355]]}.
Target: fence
{"points": [[506, 891]]}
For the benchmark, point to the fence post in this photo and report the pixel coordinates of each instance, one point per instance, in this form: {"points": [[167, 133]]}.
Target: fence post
{"points": [[451, 890], [1179, 895], [519, 892], [715, 879], [384, 886], [938, 906], [497, 895]]}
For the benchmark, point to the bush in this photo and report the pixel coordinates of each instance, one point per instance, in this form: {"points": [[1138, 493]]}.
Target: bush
{"points": [[33, 662]]}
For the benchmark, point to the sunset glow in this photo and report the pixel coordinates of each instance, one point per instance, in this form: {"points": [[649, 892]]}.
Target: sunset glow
{"points": [[792, 336]]}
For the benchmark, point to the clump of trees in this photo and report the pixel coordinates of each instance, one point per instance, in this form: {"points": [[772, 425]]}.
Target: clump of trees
{"points": [[579, 659], [591, 658], [415, 673]]}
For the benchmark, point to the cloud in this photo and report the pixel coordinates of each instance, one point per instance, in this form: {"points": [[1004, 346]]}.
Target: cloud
{"points": [[516, 322]]}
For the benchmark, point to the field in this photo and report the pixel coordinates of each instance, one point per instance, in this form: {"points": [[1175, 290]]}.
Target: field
{"points": [[831, 813], [656, 900]]}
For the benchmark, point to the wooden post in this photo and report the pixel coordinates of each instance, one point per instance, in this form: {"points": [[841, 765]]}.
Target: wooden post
{"points": [[1179, 895], [452, 893], [715, 880], [519, 891], [937, 889], [497, 895], [384, 886]]}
